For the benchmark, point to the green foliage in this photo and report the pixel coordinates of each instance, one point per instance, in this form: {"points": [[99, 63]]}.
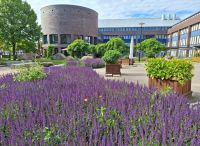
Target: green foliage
{"points": [[116, 44], [50, 138], [27, 46], [100, 50], [48, 53], [78, 48], [91, 49], [111, 56], [35, 72], [151, 47], [18, 22], [197, 54], [175, 69]]}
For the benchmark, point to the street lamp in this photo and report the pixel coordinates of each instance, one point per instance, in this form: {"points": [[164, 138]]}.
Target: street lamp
{"points": [[141, 24]]}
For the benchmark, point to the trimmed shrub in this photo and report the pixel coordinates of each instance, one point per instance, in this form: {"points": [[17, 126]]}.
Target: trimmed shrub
{"points": [[116, 44], [100, 50], [34, 72], [111, 56], [151, 47], [197, 54], [176, 69], [48, 53], [78, 48]]}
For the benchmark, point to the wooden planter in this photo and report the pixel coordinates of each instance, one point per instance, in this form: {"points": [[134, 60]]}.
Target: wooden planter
{"points": [[185, 89], [113, 69], [127, 61]]}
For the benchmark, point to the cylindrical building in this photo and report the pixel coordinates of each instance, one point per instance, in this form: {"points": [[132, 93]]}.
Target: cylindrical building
{"points": [[61, 24]]}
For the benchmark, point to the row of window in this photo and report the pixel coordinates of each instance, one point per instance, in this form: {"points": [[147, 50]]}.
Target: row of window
{"points": [[174, 43], [131, 29], [53, 39], [184, 31], [195, 27], [195, 40], [161, 36], [126, 37], [168, 44], [175, 34], [183, 42], [64, 38]]}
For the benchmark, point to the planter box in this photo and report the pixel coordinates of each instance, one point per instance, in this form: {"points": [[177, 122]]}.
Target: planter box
{"points": [[113, 69], [185, 89], [127, 61]]}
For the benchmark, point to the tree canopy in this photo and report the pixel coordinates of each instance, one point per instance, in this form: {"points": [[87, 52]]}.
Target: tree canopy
{"points": [[116, 44], [100, 49], [18, 24], [151, 47], [78, 48]]}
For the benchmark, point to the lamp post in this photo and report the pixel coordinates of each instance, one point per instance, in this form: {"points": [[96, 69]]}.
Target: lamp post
{"points": [[141, 24]]}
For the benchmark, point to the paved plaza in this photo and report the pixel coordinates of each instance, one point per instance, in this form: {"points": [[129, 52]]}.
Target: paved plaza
{"points": [[137, 73]]}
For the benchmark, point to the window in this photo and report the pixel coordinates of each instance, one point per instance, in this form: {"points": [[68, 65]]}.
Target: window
{"points": [[45, 41], [53, 38], [65, 38]]}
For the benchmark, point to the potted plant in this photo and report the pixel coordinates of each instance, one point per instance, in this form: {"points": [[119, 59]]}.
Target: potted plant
{"points": [[126, 61], [174, 73], [111, 58]]}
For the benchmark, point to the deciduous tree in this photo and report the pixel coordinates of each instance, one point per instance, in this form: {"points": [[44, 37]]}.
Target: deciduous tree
{"points": [[18, 22], [151, 47]]}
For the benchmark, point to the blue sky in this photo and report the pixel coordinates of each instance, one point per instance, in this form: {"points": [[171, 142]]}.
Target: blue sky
{"points": [[128, 8]]}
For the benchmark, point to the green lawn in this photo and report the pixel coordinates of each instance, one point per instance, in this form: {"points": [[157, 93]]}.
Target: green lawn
{"points": [[55, 62]]}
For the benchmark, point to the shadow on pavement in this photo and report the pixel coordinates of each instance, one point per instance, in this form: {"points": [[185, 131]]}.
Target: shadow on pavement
{"points": [[195, 97]]}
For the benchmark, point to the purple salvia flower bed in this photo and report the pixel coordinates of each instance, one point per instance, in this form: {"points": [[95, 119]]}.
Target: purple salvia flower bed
{"points": [[94, 63], [73, 63], [74, 106]]}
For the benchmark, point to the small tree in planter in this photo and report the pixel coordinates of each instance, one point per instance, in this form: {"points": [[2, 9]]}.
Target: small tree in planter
{"points": [[111, 58], [151, 47], [175, 73]]}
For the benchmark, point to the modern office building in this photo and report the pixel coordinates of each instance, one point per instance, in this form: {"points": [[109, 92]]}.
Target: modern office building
{"points": [[61, 24], [184, 37], [139, 28]]}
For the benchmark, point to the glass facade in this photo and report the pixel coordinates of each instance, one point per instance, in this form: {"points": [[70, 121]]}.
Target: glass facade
{"points": [[175, 39], [53, 38], [121, 29], [65, 39], [45, 39], [195, 35], [184, 37], [168, 40], [127, 32]]}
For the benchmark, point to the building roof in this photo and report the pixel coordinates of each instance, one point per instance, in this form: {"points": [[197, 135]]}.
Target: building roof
{"points": [[134, 22], [195, 14]]}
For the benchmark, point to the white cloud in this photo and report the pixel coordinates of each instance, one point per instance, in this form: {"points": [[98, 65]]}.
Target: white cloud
{"points": [[127, 8]]}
